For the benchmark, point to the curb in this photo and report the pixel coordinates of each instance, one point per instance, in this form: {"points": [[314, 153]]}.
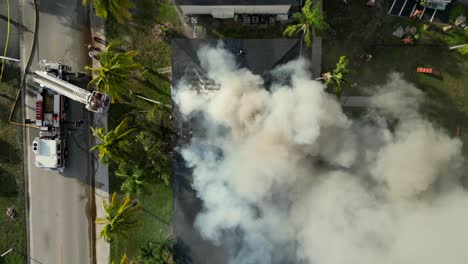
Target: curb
{"points": [[24, 135], [101, 171]]}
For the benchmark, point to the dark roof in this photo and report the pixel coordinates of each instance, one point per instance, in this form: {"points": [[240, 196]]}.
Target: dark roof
{"points": [[261, 55], [238, 2]]}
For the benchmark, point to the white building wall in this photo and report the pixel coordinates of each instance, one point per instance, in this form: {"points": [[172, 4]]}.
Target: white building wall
{"points": [[238, 9]]}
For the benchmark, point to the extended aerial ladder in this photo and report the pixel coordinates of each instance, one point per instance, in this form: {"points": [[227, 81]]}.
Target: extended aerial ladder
{"points": [[95, 101], [50, 145]]}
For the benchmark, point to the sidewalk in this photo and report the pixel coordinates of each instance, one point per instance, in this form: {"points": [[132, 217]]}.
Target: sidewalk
{"points": [[101, 177], [316, 60]]}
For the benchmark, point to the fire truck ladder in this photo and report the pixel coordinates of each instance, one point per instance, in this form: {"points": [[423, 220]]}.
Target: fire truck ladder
{"points": [[95, 101], [62, 87]]}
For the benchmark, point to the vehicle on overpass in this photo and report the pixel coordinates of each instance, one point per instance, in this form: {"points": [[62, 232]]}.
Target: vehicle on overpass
{"points": [[51, 105]]}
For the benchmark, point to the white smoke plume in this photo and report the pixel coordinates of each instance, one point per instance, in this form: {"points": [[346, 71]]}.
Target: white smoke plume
{"points": [[292, 179]]}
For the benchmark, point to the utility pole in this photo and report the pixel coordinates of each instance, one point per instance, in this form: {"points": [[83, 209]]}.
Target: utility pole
{"points": [[458, 46], [149, 100], [7, 252], [9, 59], [22, 254]]}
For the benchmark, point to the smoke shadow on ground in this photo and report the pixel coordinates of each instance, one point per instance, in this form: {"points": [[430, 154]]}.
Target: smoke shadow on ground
{"points": [[445, 113], [10, 153], [8, 186], [184, 180], [387, 59], [182, 253], [449, 63]]}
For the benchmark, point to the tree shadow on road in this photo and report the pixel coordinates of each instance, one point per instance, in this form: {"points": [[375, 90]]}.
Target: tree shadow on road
{"points": [[63, 10], [19, 26]]}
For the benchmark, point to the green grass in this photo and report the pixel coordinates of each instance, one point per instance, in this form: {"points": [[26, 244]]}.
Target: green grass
{"points": [[12, 233], [154, 220], [154, 53], [371, 31]]}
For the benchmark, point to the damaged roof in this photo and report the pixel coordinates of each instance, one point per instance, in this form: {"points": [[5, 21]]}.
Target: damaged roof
{"points": [[260, 55]]}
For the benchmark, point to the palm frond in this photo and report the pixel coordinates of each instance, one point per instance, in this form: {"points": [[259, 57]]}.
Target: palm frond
{"points": [[310, 18], [308, 36], [115, 71], [292, 30], [121, 217], [101, 7]]}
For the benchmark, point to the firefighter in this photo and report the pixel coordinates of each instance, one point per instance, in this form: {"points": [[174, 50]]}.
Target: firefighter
{"points": [[417, 13]]}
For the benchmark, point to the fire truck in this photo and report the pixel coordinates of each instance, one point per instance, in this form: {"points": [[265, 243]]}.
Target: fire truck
{"points": [[54, 91], [49, 147]]}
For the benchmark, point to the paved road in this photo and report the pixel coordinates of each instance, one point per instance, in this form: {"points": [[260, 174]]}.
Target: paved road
{"points": [[15, 27], [60, 204]]}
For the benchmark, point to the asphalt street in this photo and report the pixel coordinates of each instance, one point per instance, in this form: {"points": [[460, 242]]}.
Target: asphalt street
{"points": [[60, 204], [15, 28]]}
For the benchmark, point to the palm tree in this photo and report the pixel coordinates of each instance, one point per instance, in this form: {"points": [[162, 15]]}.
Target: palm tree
{"points": [[165, 251], [134, 181], [117, 8], [338, 77], [121, 217], [109, 148], [311, 19], [148, 253], [124, 260], [115, 71], [158, 252]]}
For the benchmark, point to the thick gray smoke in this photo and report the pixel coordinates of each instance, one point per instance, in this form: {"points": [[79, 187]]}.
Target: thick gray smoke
{"points": [[293, 180]]}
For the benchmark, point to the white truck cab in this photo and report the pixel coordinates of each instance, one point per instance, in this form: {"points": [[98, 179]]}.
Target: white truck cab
{"points": [[50, 153]]}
